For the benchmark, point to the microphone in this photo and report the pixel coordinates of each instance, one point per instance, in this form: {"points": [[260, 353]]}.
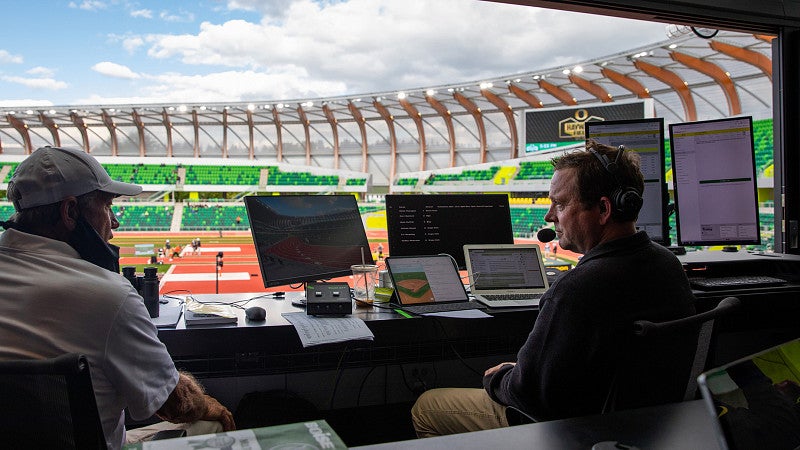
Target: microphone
{"points": [[546, 234]]}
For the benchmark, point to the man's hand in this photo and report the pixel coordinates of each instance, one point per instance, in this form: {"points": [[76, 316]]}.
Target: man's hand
{"points": [[189, 403], [493, 370], [217, 412]]}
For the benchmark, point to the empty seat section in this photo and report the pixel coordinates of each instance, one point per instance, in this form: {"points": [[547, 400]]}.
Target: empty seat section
{"points": [[143, 218]]}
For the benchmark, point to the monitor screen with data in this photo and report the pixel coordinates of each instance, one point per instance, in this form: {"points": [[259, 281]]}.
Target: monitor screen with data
{"points": [[646, 138], [443, 223], [714, 181], [303, 238]]}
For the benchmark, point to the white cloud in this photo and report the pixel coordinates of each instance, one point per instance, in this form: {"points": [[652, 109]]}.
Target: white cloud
{"points": [[36, 83], [88, 5], [142, 13], [42, 72], [6, 57], [24, 102], [369, 45], [181, 16], [115, 70], [131, 44]]}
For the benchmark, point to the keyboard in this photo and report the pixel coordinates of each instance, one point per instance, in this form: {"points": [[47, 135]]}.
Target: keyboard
{"points": [[440, 307], [735, 282], [493, 297]]}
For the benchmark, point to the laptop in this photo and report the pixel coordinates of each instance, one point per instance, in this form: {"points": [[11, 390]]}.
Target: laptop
{"points": [[506, 275], [755, 401], [428, 284]]}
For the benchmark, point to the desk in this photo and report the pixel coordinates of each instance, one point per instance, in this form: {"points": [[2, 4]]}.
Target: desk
{"points": [[683, 426]]}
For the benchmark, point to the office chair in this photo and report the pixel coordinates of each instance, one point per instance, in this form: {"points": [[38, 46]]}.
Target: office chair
{"points": [[49, 403], [629, 389]]}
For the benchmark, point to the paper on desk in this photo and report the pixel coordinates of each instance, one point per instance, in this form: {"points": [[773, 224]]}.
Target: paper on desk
{"points": [[322, 330], [234, 440], [461, 314]]}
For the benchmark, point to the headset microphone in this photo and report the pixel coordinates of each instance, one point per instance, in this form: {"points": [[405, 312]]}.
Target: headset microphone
{"points": [[546, 235]]}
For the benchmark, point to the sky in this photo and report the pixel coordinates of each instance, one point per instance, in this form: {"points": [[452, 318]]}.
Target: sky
{"points": [[99, 52]]}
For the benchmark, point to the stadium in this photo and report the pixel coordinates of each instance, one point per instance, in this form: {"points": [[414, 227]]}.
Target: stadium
{"points": [[197, 162]]}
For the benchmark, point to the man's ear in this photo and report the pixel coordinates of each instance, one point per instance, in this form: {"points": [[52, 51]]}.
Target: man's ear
{"points": [[604, 206], [68, 210]]}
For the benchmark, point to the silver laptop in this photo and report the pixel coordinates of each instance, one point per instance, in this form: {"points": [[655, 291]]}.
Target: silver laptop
{"points": [[506, 275], [755, 401]]}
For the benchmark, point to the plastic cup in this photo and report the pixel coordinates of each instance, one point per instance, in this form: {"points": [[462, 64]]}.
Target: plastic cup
{"points": [[365, 278]]}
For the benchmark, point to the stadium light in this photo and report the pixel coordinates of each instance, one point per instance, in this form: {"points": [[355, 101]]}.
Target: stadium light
{"points": [[401, 95]]}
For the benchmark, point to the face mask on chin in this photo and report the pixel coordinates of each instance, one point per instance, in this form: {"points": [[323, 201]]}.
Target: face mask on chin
{"points": [[88, 243]]}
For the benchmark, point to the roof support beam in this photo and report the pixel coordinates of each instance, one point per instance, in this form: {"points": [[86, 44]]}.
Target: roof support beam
{"points": [[591, 88], [362, 128], [22, 129], [276, 117], [384, 113], [306, 132], [51, 125], [196, 129], [560, 94], [108, 121], [627, 82], [168, 125], [762, 62], [674, 81], [225, 133], [525, 96], [505, 108], [414, 115], [137, 120], [720, 76], [448, 123], [335, 133], [473, 109], [80, 125]]}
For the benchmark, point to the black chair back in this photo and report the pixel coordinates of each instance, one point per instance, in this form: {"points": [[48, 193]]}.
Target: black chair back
{"points": [[50, 404]]}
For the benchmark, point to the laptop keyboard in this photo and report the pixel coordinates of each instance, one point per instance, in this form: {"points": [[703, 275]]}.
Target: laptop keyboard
{"points": [[496, 297], [441, 307], [735, 282]]}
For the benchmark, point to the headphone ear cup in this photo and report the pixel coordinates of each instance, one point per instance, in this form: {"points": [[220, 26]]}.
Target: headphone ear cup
{"points": [[626, 203]]}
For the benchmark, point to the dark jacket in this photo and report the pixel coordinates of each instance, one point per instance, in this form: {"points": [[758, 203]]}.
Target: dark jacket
{"points": [[565, 367]]}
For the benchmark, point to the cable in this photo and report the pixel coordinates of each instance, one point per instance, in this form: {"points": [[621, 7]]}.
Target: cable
{"points": [[452, 347], [337, 377], [361, 386]]}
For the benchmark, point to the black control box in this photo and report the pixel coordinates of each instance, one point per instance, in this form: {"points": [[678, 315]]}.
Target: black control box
{"points": [[328, 299]]}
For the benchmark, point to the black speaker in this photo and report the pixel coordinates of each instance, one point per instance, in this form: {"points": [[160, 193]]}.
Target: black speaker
{"points": [[625, 200]]}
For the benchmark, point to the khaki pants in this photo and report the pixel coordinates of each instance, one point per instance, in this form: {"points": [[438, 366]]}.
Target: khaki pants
{"points": [[146, 433], [456, 410]]}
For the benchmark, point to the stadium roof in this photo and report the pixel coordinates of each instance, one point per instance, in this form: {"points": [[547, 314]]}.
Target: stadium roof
{"points": [[687, 77]]}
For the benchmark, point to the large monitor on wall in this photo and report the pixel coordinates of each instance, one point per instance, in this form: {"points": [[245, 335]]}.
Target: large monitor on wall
{"points": [[714, 182], [443, 223], [303, 238], [645, 137]]}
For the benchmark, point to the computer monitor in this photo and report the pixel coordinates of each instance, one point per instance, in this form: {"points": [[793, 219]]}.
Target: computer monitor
{"points": [[714, 182], [646, 138], [303, 238], [443, 223]]}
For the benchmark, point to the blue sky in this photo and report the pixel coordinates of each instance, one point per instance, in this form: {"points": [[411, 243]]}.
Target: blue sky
{"points": [[86, 52]]}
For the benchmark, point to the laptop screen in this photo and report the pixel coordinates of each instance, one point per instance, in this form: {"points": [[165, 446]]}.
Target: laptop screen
{"points": [[425, 279], [755, 401], [505, 267]]}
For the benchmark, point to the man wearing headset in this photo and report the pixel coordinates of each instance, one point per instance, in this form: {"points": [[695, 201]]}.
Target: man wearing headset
{"points": [[566, 366]]}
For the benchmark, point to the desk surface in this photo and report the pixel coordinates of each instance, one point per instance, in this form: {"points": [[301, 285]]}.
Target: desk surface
{"points": [[685, 425]]}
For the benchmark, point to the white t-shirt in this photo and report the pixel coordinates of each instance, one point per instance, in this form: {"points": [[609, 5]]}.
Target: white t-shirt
{"points": [[52, 302]]}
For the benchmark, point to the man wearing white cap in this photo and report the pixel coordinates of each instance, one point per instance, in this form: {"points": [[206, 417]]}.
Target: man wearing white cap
{"points": [[61, 292]]}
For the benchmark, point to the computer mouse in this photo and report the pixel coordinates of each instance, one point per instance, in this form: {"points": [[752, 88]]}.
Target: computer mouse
{"points": [[255, 313]]}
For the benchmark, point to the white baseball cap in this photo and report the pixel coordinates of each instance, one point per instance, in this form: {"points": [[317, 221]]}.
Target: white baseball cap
{"points": [[51, 174]]}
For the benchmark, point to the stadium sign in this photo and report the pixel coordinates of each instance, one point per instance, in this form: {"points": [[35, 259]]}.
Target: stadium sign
{"points": [[546, 129]]}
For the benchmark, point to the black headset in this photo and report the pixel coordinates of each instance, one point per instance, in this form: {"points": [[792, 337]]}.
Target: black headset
{"points": [[625, 200]]}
